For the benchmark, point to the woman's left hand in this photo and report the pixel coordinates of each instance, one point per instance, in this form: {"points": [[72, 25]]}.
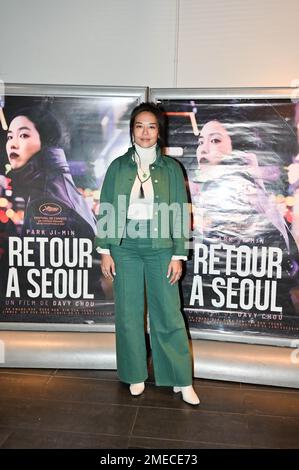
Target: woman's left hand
{"points": [[174, 271]]}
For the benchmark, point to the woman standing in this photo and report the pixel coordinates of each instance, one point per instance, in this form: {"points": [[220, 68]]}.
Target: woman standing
{"points": [[142, 237]]}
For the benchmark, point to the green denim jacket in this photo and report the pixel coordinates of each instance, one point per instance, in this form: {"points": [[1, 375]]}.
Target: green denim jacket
{"points": [[169, 228]]}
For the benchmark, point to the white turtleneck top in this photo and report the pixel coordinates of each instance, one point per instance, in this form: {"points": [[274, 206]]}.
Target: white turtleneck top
{"points": [[142, 209]]}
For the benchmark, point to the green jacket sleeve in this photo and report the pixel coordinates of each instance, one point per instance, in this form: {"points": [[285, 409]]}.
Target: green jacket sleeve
{"points": [[106, 212], [180, 231]]}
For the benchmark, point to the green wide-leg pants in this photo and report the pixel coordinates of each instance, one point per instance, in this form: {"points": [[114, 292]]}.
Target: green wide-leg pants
{"points": [[135, 262]]}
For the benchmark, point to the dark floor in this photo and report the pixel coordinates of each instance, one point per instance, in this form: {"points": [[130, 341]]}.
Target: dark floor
{"points": [[75, 409]]}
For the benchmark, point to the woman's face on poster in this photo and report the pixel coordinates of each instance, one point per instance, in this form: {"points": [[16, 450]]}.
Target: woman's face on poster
{"points": [[23, 141], [213, 143]]}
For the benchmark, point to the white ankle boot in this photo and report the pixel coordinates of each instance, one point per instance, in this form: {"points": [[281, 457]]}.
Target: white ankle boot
{"points": [[188, 394], [137, 389]]}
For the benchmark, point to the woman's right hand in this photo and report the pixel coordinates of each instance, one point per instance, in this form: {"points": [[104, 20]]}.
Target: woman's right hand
{"points": [[108, 266]]}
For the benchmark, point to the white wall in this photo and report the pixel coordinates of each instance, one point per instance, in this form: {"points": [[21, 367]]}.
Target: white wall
{"points": [[238, 43], [158, 43], [100, 42]]}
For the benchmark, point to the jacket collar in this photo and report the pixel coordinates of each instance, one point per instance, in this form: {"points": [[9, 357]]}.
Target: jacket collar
{"points": [[158, 162]]}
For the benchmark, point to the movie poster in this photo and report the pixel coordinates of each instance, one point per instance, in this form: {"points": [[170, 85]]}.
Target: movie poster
{"points": [[54, 152], [241, 162]]}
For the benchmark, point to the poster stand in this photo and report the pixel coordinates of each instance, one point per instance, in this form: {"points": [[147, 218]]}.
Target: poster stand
{"points": [[218, 355], [215, 360]]}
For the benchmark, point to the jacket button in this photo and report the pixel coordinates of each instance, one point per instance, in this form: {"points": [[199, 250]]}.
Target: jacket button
{"points": [[156, 181], [153, 167], [157, 197], [155, 229]]}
